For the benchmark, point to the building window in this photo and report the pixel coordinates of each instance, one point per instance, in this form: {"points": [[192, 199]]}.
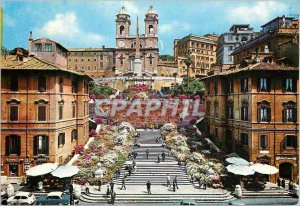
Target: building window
{"points": [[290, 141], [289, 85], [208, 108], [60, 113], [74, 135], [86, 87], [230, 109], [151, 29], [14, 83], [95, 68], [264, 84], [48, 47], [216, 87], [14, 113], [244, 85], [74, 86], [230, 86], [101, 57], [12, 145], [122, 29], [244, 139], [264, 142], [82, 60], [216, 105], [61, 85], [38, 47], [75, 60], [289, 112], [230, 48], [74, 110], [61, 139], [244, 110], [41, 145], [263, 112], [42, 86], [88, 68], [41, 113]]}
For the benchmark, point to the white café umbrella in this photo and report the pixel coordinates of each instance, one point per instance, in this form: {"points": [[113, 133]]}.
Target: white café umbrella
{"points": [[237, 161], [240, 170], [65, 171], [41, 169], [264, 169]]}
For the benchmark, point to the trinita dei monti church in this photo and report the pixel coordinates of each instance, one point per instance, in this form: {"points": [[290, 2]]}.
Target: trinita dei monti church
{"points": [[136, 56]]}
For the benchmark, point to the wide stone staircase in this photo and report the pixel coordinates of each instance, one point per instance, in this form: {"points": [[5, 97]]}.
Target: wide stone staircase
{"points": [[150, 170]]}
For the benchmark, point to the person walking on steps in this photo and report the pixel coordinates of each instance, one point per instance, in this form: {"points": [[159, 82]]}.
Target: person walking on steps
{"points": [[99, 184], [278, 182], [174, 185], [149, 187], [163, 155], [123, 184], [157, 138], [147, 153], [87, 188], [283, 183], [168, 180], [107, 191], [175, 180], [158, 159], [112, 184]]}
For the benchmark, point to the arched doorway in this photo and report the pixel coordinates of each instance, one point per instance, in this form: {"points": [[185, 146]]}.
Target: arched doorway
{"points": [[286, 170]]}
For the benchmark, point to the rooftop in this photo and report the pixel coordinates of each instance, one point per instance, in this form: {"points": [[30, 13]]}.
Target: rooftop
{"points": [[10, 62], [89, 49], [200, 38], [260, 66]]}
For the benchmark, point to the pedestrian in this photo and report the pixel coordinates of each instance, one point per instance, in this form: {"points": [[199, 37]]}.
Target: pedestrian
{"points": [[283, 183], [204, 184], [87, 188], [291, 185], [112, 184], [130, 170], [114, 197], [174, 185], [71, 199], [175, 180], [157, 138], [118, 172], [149, 187], [107, 191], [158, 159], [133, 163], [147, 153], [71, 189], [123, 184], [192, 179], [168, 180], [99, 184], [163, 155], [135, 168], [278, 182]]}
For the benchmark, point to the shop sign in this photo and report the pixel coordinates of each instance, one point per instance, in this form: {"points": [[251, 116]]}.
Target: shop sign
{"points": [[286, 157]]}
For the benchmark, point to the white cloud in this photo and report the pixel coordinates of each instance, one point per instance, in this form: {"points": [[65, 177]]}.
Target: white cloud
{"points": [[174, 27], [65, 28], [260, 11]]}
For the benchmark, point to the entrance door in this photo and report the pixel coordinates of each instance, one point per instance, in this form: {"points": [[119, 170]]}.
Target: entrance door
{"points": [[286, 170]]}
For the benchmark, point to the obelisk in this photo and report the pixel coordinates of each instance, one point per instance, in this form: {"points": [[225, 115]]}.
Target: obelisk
{"points": [[137, 63]]}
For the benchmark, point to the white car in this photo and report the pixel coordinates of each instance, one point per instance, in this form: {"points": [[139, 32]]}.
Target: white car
{"points": [[21, 198]]}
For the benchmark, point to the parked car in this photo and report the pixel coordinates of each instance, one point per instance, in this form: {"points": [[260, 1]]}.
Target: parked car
{"points": [[21, 198], [55, 198]]}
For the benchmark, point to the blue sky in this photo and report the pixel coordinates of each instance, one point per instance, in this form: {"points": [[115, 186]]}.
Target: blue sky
{"points": [[92, 23]]}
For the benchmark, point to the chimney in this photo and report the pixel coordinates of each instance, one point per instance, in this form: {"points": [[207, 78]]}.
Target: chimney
{"points": [[19, 55], [103, 47], [30, 43]]}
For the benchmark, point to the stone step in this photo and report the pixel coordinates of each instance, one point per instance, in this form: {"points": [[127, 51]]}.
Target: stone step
{"points": [[161, 198]]}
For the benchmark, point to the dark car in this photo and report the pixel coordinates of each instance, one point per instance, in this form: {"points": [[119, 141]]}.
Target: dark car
{"points": [[54, 198]]}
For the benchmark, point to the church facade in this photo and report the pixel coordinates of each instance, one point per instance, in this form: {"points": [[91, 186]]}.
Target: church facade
{"points": [[127, 44]]}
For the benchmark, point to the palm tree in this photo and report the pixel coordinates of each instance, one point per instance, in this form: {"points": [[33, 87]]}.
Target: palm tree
{"points": [[188, 60]]}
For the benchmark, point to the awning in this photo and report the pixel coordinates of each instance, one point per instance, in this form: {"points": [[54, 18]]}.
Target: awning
{"points": [[240, 170], [264, 169], [41, 169], [237, 161], [65, 171]]}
